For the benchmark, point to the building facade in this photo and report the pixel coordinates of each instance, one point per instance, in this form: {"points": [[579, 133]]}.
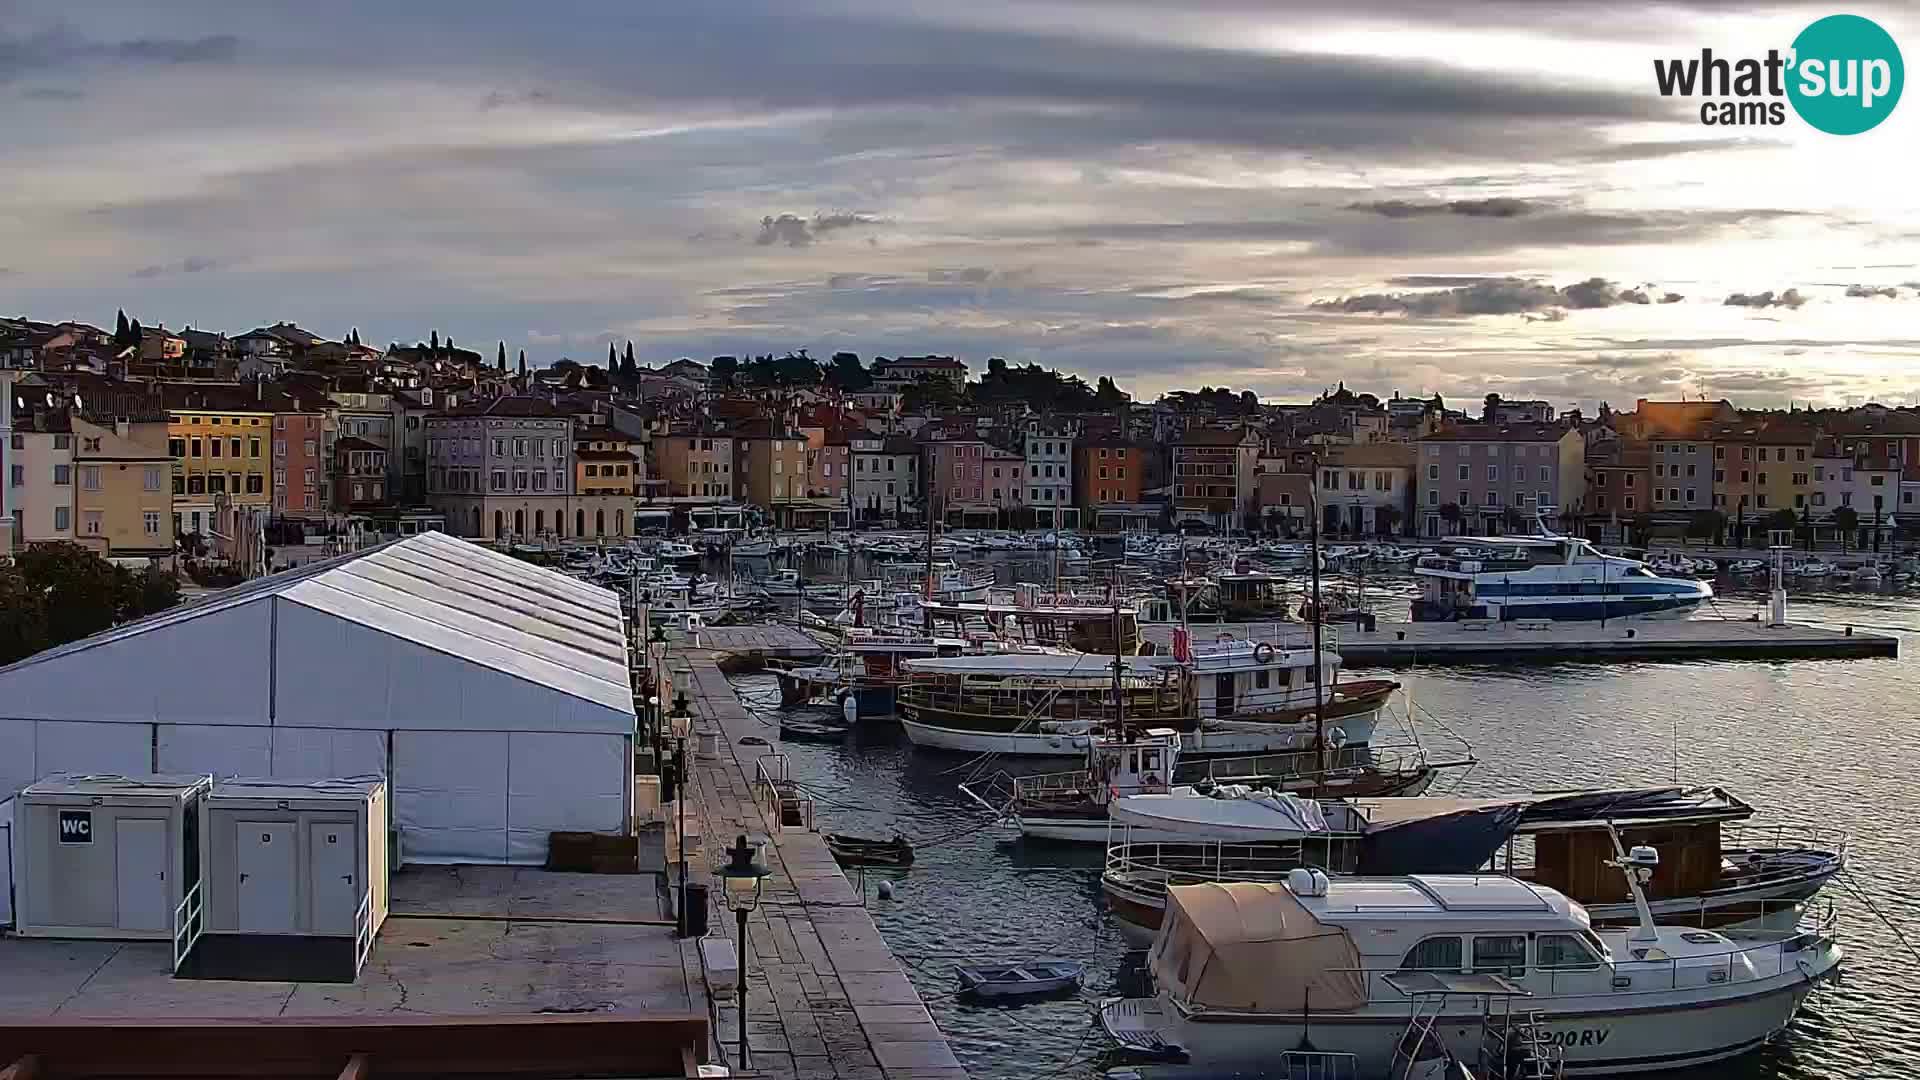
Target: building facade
{"points": [[1214, 476], [1760, 468], [1049, 454], [958, 470], [772, 470], [1004, 477], [40, 476], [1366, 488], [504, 468], [695, 464], [123, 492], [360, 475], [886, 477], [1681, 472], [298, 469], [1486, 470], [219, 438]]}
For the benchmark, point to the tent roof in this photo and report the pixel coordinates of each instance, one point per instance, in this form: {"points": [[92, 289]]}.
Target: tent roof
{"points": [[444, 594], [1249, 946]]}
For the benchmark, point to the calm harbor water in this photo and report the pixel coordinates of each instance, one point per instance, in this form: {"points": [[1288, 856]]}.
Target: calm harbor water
{"points": [[1813, 744]]}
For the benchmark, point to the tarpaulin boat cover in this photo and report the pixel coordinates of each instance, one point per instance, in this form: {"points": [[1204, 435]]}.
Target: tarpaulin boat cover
{"points": [[1253, 947], [1634, 806], [1457, 843]]}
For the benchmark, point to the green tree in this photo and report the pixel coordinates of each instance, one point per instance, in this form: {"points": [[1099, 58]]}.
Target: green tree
{"points": [[1386, 518], [121, 329], [1514, 519], [1781, 520], [500, 358], [847, 374], [723, 371], [81, 591], [433, 340], [1707, 525], [1845, 519], [1107, 396], [23, 616], [1450, 513], [629, 370], [1642, 524], [931, 394]]}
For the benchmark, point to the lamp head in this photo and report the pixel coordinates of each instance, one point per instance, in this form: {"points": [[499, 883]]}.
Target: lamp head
{"points": [[740, 878]]}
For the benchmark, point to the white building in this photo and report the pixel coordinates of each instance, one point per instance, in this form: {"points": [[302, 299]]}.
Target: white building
{"points": [[1049, 480], [492, 695], [1869, 486], [886, 476]]}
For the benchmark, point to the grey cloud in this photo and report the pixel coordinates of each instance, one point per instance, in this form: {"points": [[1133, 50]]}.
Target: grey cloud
{"points": [[1671, 298], [1439, 281], [1500, 207], [1635, 296], [1868, 290], [192, 264], [58, 47], [1788, 299], [500, 99], [796, 231], [973, 275], [1499, 296], [52, 93]]}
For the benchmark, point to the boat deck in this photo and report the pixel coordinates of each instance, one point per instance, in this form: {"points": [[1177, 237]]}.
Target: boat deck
{"points": [[1404, 644]]}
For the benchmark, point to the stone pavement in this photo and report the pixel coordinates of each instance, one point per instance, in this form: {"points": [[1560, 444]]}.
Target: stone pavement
{"points": [[825, 999]]}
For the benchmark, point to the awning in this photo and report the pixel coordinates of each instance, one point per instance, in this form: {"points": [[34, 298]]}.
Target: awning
{"points": [[1253, 818], [1245, 946]]}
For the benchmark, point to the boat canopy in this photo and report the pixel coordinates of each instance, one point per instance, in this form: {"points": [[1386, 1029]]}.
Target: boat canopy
{"points": [[1039, 665], [1253, 947], [1230, 815], [1625, 807]]}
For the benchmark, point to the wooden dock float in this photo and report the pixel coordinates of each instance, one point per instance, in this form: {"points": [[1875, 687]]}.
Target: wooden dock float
{"points": [[1525, 641], [761, 640]]}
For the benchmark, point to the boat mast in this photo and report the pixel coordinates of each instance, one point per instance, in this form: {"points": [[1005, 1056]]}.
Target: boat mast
{"points": [[1313, 562], [1119, 693], [926, 607]]}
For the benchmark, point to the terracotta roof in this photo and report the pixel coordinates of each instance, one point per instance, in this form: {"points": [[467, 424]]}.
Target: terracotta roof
{"points": [[603, 455], [513, 405], [1500, 433], [353, 442], [1212, 437]]}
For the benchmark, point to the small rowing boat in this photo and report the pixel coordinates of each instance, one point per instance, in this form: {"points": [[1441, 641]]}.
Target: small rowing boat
{"points": [[1021, 980], [861, 851]]}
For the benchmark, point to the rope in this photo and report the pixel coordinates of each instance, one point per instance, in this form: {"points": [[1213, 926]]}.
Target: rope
{"points": [[1867, 902]]}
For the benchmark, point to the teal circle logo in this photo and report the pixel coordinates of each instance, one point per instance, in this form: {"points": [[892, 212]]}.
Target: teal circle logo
{"points": [[1846, 76]]}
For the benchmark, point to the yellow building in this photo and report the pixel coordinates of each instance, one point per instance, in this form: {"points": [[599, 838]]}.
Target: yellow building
{"points": [[220, 439], [606, 462], [122, 492], [1760, 467]]}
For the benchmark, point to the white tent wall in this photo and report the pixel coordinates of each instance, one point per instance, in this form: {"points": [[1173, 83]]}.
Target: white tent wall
{"points": [[6, 862], [494, 724]]}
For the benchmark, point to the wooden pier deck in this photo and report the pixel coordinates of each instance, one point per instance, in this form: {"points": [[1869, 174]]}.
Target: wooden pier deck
{"points": [[1404, 644], [763, 639], [826, 998]]}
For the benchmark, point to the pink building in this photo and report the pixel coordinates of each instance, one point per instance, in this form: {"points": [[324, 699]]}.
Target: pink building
{"points": [[299, 472], [959, 471]]}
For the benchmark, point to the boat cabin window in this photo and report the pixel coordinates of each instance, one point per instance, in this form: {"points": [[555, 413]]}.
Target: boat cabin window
{"points": [[1434, 954], [1500, 954], [1260, 679], [1564, 952], [1286, 677]]}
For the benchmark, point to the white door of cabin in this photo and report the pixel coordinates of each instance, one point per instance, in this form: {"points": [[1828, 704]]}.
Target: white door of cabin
{"points": [[140, 874], [334, 884], [266, 886]]}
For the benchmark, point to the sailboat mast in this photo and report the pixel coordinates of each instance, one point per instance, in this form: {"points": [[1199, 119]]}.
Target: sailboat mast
{"points": [[1119, 693], [929, 583], [1313, 561]]}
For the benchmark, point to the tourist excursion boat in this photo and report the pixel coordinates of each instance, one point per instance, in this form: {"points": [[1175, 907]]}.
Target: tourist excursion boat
{"points": [[866, 665], [1071, 806], [1548, 577], [1245, 970], [1230, 697], [1565, 841]]}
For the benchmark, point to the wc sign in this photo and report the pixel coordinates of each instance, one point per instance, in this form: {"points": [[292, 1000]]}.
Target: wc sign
{"points": [[76, 826]]}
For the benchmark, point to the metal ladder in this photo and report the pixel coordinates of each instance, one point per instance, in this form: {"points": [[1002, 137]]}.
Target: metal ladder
{"points": [[1418, 1036], [1516, 1050]]}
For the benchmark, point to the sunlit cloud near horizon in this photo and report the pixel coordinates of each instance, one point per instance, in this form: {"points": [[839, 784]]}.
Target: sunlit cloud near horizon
{"points": [[1455, 199]]}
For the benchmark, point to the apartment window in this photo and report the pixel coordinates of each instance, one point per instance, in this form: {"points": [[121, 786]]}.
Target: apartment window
{"points": [[233, 483], [1746, 453], [1846, 499], [1629, 502], [559, 480], [519, 480], [559, 449], [233, 445], [90, 522], [519, 448], [1659, 469], [1103, 472], [1719, 453], [1763, 501], [256, 484], [90, 477], [62, 475], [499, 448], [196, 446], [311, 448], [1466, 472], [1544, 498], [253, 446], [1799, 501], [1763, 478], [1630, 479], [499, 480], [196, 485], [307, 479], [1746, 476], [213, 447], [1689, 494], [1799, 454], [280, 479], [1433, 498], [1819, 498], [1876, 481], [1493, 498], [540, 479], [1719, 476], [1119, 472], [1493, 472], [1800, 479], [152, 522], [62, 518], [63, 442], [217, 483], [1463, 500], [1779, 454], [1846, 475], [1689, 472]]}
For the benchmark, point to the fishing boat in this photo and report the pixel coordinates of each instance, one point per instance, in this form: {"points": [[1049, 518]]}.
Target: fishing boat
{"points": [[796, 730], [851, 850], [754, 546], [1565, 841], [1549, 577], [1232, 697], [674, 551], [1071, 806], [1242, 969], [1020, 980]]}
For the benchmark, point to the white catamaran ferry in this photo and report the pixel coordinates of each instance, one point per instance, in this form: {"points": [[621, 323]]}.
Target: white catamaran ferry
{"points": [[1548, 577]]}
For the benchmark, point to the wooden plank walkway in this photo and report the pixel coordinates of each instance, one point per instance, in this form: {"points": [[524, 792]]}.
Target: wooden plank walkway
{"points": [[826, 999], [766, 639], [1400, 644]]}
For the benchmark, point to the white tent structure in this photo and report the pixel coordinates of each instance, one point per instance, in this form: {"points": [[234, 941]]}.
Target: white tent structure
{"points": [[493, 695]]}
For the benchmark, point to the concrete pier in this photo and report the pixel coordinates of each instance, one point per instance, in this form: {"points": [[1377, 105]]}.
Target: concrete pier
{"points": [[1540, 641], [826, 998]]}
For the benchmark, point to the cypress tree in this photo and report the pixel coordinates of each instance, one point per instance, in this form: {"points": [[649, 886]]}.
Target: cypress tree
{"points": [[500, 360], [433, 342], [523, 363], [120, 328]]}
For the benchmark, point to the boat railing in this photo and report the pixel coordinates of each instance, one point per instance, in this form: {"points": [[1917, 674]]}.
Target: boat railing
{"points": [[1020, 703], [1784, 837], [1153, 865], [1299, 765]]}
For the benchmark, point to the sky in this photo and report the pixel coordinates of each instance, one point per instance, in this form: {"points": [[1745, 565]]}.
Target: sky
{"points": [[1407, 195]]}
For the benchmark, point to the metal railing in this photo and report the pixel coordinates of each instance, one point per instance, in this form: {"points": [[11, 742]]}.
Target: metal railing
{"points": [[775, 792], [1148, 868], [363, 930], [188, 921]]}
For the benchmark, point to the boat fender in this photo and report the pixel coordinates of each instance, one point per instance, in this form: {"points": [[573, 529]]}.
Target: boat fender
{"points": [[1337, 738], [886, 890], [1263, 652], [850, 709]]}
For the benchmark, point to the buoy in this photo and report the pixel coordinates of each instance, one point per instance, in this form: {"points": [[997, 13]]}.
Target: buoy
{"points": [[886, 890]]}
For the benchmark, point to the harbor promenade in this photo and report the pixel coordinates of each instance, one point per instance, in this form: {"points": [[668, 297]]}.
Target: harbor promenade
{"points": [[826, 998]]}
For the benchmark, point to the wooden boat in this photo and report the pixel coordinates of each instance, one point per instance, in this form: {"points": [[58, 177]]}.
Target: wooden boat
{"points": [[1021, 980], [862, 851]]}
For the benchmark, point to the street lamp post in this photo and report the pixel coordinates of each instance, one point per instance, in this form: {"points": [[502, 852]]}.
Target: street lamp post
{"points": [[741, 883], [682, 723]]}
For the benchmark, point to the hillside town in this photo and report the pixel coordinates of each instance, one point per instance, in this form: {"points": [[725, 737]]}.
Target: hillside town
{"points": [[141, 442]]}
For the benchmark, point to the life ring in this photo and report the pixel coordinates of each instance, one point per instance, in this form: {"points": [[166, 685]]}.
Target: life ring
{"points": [[1260, 657], [1337, 738]]}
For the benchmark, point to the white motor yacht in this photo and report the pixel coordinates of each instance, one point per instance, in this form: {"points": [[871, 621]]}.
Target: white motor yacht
{"points": [[1245, 970]]}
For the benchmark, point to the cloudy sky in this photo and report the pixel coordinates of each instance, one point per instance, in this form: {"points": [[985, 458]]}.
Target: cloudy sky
{"points": [[1404, 194]]}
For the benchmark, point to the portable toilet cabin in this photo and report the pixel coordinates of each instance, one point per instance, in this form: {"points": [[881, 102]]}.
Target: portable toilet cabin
{"points": [[6, 863], [106, 856], [295, 879]]}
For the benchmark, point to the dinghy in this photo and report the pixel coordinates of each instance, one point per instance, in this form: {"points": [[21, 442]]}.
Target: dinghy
{"points": [[862, 851], [1022, 980]]}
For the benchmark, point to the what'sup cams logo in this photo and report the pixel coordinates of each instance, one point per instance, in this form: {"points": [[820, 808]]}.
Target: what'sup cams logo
{"points": [[1843, 75]]}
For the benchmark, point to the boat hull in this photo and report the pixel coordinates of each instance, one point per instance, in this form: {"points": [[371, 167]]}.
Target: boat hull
{"points": [[1193, 744], [1086, 829], [1640, 1032]]}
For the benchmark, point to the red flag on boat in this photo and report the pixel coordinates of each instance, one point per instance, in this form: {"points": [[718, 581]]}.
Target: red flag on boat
{"points": [[1183, 645]]}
